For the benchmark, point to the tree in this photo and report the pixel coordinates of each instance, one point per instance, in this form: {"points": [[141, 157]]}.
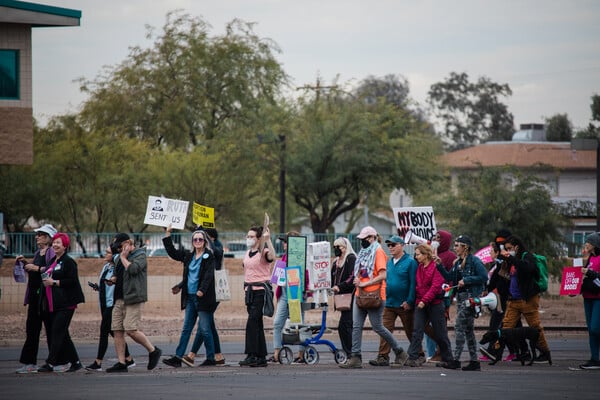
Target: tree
{"points": [[393, 88], [491, 198], [559, 128], [470, 113], [188, 87], [593, 129], [341, 148]]}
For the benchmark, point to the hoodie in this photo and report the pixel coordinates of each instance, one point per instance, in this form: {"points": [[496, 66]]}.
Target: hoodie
{"points": [[444, 253]]}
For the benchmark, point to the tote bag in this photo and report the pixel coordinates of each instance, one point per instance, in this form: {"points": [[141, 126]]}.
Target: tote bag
{"points": [[222, 290]]}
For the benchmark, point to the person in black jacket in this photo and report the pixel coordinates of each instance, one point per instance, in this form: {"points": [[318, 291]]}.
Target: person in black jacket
{"points": [[524, 293], [198, 297], [61, 294], [342, 279]]}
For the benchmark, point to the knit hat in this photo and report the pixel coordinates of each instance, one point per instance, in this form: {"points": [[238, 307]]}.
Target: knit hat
{"points": [[593, 239]]}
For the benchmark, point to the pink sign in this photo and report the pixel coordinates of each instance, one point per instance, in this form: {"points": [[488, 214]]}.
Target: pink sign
{"points": [[485, 254], [571, 281]]}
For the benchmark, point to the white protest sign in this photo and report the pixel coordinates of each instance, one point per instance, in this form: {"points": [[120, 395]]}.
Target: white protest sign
{"points": [[419, 220], [319, 265], [161, 211]]}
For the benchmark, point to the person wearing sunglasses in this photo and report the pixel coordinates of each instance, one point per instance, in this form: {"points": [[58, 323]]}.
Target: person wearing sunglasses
{"points": [[198, 297]]}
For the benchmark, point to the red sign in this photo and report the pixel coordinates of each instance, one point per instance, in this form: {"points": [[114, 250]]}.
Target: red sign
{"points": [[571, 281]]}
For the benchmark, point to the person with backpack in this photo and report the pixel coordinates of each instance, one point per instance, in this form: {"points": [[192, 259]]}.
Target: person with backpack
{"points": [[524, 292]]}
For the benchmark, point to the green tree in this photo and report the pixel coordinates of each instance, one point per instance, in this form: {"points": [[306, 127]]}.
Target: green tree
{"points": [[491, 198], [393, 88], [559, 128], [341, 148], [470, 113], [188, 87], [593, 128]]}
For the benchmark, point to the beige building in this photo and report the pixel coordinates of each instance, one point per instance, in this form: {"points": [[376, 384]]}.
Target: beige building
{"points": [[17, 19]]}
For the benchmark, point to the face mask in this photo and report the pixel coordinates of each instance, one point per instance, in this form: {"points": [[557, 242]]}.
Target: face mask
{"points": [[364, 243], [512, 253], [337, 252], [250, 243]]}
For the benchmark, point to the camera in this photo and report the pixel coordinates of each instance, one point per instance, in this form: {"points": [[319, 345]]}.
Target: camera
{"points": [[93, 285]]}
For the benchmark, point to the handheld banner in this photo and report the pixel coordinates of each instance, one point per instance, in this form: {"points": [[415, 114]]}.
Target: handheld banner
{"points": [[319, 265], [278, 277], [203, 216], [161, 211], [571, 281], [485, 254], [418, 220], [294, 293]]}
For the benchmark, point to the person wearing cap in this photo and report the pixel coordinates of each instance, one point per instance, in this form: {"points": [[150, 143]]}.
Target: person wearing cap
{"points": [[61, 293], [369, 275], [590, 290], [470, 275], [35, 317], [131, 292], [400, 275], [282, 311]]}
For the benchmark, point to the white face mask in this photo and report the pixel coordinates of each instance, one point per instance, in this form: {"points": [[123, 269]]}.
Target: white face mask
{"points": [[512, 253], [250, 242]]}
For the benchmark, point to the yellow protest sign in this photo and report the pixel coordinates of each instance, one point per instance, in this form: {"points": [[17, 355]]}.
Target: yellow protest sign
{"points": [[203, 216]]}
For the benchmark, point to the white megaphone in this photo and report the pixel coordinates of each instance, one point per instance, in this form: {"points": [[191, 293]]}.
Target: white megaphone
{"points": [[411, 238], [491, 301]]}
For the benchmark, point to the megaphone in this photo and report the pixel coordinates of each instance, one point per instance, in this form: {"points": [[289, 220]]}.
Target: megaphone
{"points": [[411, 238], [491, 301]]}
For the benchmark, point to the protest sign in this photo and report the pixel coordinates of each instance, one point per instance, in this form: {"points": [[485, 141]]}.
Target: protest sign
{"points": [[161, 211], [570, 283], [319, 265], [485, 254], [203, 216], [278, 276], [295, 270], [419, 220]]}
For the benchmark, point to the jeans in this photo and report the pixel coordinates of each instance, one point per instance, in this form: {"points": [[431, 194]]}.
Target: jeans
{"points": [[431, 345], [389, 320], [436, 315], [375, 317], [592, 319], [198, 339], [191, 314], [282, 313], [531, 311]]}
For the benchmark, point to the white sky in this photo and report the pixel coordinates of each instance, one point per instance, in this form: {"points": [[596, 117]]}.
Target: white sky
{"points": [[547, 51]]}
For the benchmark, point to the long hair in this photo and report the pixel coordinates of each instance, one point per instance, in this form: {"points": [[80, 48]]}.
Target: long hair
{"points": [[342, 241], [517, 242]]}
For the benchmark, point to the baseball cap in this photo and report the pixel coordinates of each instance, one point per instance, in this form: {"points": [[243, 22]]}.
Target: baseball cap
{"points": [[465, 240], [395, 239], [366, 232], [47, 229]]}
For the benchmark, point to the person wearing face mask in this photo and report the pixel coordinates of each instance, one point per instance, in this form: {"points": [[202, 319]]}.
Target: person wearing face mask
{"points": [[470, 276], [524, 293], [257, 277], [342, 279], [369, 275]]}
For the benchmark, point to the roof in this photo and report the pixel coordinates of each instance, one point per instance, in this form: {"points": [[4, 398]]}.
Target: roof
{"points": [[522, 154], [37, 15]]}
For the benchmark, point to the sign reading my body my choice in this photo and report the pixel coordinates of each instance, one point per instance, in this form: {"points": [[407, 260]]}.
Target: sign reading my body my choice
{"points": [[161, 211], [419, 220]]}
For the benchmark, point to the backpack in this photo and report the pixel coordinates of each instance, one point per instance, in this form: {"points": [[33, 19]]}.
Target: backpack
{"points": [[542, 266]]}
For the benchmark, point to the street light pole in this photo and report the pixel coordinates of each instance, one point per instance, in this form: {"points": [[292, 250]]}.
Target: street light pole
{"points": [[282, 185]]}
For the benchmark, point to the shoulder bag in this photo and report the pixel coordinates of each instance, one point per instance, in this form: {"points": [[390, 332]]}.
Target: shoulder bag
{"points": [[368, 300]]}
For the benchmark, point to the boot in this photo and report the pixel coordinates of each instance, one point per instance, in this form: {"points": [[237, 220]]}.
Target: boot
{"points": [[472, 366], [452, 364], [355, 361]]}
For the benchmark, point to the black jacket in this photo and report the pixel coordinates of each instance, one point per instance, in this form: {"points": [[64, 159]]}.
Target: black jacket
{"points": [[69, 293], [344, 277], [527, 274], [206, 283]]}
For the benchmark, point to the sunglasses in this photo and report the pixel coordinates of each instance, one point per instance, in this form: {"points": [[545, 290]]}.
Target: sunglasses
{"points": [[198, 240], [392, 244]]}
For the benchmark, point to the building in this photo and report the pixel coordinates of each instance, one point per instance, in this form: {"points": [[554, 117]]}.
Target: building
{"points": [[17, 19], [570, 174]]}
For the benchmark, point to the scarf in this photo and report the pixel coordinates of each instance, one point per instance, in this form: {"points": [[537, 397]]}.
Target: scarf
{"points": [[366, 260]]}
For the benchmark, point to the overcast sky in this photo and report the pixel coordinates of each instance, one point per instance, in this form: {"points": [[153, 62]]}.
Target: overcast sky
{"points": [[547, 51]]}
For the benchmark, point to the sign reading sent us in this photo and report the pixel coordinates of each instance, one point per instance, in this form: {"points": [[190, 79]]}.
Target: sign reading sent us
{"points": [[161, 211]]}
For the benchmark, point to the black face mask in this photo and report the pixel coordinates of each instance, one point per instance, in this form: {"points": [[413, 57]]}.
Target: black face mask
{"points": [[365, 243], [337, 251]]}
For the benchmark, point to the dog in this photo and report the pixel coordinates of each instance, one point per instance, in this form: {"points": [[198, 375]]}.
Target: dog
{"points": [[512, 339]]}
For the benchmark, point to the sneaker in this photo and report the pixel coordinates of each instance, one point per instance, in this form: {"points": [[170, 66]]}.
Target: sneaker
{"points": [[487, 355], [472, 366], [260, 362], [591, 364], [75, 367], [210, 363], [413, 363], [454, 364], [543, 358], [435, 359], [94, 367], [401, 357], [246, 362], [510, 357], [130, 363], [28, 369], [187, 360], [118, 367], [153, 357], [220, 362], [174, 362], [61, 368], [380, 361], [46, 368]]}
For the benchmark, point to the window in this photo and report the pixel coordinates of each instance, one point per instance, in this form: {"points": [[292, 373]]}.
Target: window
{"points": [[9, 74]]}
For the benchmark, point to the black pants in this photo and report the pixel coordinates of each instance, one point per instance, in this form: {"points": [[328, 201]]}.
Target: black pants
{"points": [[61, 346], [345, 330], [33, 328], [105, 330], [256, 345]]}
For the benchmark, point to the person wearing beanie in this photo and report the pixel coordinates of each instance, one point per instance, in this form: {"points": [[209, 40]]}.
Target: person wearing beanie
{"points": [[590, 290]]}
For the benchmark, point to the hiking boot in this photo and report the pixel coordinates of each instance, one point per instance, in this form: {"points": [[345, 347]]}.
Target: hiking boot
{"points": [[487, 355], [353, 362], [590, 364], [380, 361], [413, 363], [153, 357], [174, 362], [453, 364], [472, 366], [401, 357], [118, 367]]}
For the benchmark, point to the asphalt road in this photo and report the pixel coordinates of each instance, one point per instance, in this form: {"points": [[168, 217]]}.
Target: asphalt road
{"points": [[324, 380]]}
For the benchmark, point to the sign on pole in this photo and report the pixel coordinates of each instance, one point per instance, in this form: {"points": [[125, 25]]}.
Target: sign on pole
{"points": [[162, 211]]}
